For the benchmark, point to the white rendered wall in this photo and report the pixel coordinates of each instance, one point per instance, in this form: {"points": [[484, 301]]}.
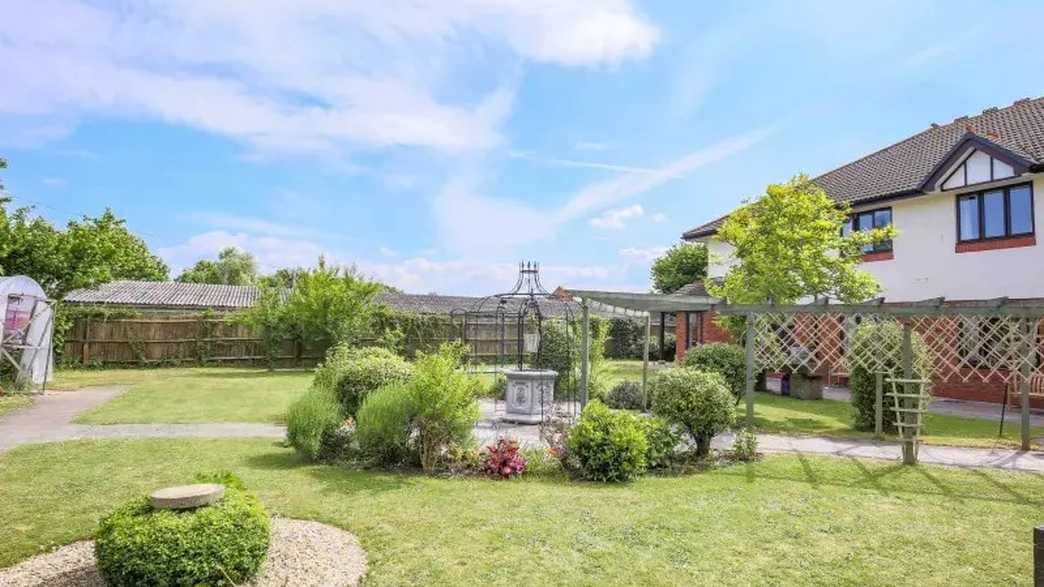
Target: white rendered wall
{"points": [[925, 263]]}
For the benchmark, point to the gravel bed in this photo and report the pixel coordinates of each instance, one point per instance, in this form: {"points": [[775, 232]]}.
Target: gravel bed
{"points": [[301, 553]]}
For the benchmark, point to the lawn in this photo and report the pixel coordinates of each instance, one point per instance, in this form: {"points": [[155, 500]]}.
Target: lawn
{"points": [[14, 401], [786, 415], [786, 520], [209, 394]]}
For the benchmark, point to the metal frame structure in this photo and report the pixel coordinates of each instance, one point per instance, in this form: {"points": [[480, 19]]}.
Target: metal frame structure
{"points": [[25, 336], [527, 309]]}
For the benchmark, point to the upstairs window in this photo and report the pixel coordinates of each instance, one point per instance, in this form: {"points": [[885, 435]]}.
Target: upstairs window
{"points": [[869, 219], [998, 213]]}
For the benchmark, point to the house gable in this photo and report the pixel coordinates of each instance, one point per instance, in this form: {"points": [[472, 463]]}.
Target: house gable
{"points": [[974, 160]]}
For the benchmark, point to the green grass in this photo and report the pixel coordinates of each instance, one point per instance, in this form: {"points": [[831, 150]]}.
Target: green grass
{"points": [[14, 401], [210, 394], [786, 520], [786, 415]]}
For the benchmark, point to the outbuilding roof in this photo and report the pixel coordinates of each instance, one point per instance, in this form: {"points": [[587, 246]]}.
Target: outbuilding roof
{"points": [[901, 169], [174, 295]]}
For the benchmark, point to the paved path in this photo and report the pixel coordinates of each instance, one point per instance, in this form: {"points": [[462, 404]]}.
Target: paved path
{"points": [[50, 420]]}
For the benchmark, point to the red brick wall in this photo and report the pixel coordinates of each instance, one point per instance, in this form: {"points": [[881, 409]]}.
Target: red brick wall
{"points": [[710, 332]]}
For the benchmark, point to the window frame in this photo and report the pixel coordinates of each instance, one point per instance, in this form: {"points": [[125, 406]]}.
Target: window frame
{"points": [[853, 226], [981, 213]]}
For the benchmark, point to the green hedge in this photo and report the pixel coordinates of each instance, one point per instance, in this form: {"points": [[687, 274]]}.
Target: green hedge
{"points": [[220, 544], [354, 372], [885, 341], [608, 445], [727, 360]]}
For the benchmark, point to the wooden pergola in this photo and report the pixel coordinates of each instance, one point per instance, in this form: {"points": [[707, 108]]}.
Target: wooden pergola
{"points": [[631, 304]]}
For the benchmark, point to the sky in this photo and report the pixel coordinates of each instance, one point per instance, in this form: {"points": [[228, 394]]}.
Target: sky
{"points": [[435, 144]]}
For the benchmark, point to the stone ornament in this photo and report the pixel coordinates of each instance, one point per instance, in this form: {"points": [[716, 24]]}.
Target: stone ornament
{"points": [[185, 497]]}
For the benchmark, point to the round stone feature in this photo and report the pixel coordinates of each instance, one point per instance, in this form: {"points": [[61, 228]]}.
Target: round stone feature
{"points": [[184, 497]]}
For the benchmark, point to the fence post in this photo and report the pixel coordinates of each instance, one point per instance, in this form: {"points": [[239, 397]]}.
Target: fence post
{"points": [[878, 405], [85, 347], [1038, 555], [645, 361], [909, 452], [585, 352], [1029, 354], [749, 374]]}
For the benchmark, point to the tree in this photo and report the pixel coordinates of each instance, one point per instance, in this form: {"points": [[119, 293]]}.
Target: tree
{"points": [[681, 265], [88, 252], [789, 245], [233, 267]]}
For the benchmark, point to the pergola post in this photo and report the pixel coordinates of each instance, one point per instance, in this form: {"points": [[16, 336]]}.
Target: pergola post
{"points": [[909, 450], [663, 336], [1029, 354], [585, 352], [749, 376], [645, 361]]}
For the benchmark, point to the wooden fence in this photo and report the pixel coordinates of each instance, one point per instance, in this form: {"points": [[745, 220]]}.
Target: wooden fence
{"points": [[209, 339]]}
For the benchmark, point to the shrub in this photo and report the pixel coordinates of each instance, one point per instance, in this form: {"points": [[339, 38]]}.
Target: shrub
{"points": [[560, 351], [383, 426], [624, 341], [497, 387], [608, 445], [354, 372], [698, 402], [745, 445], [310, 419], [662, 441], [336, 443], [443, 403], [222, 543], [885, 341], [727, 360], [421, 419], [503, 459], [626, 395]]}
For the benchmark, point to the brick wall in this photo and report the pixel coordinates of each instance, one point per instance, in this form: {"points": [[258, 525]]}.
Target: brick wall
{"points": [[709, 332]]}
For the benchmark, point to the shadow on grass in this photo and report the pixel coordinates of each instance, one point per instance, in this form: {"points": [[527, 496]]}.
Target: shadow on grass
{"points": [[878, 480]]}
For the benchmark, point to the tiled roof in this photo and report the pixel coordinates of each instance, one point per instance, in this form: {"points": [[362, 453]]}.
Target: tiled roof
{"points": [[695, 288], [900, 169], [196, 296]]}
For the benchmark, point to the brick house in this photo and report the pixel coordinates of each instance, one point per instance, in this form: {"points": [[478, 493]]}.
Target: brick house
{"points": [[962, 199]]}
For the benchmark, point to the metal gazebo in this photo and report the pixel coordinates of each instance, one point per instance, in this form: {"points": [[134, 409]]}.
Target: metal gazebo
{"points": [[522, 332]]}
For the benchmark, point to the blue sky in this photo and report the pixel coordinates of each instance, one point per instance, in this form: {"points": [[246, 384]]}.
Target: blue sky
{"points": [[435, 144]]}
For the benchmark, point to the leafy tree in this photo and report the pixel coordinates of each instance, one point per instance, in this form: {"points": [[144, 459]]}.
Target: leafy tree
{"points": [[88, 252], [233, 267], [327, 305], [789, 245], [681, 265]]}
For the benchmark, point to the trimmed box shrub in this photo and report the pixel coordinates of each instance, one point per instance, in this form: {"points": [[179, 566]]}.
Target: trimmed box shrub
{"points": [[699, 402], [608, 445], [626, 395], [662, 441], [727, 360], [354, 372], [219, 544]]}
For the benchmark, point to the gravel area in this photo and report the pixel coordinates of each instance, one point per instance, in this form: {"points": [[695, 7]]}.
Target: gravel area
{"points": [[301, 553]]}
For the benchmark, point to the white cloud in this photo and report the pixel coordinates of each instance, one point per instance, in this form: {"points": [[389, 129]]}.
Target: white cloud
{"points": [[252, 225], [646, 254], [658, 218], [466, 277], [312, 76], [470, 221], [617, 218], [576, 163], [386, 252], [270, 252]]}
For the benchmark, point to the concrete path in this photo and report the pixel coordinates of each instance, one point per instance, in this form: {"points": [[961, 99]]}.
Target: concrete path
{"points": [[50, 419]]}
